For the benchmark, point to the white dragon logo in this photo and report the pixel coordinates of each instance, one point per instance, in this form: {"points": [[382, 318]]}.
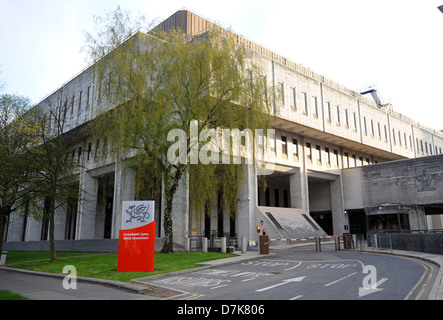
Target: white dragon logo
{"points": [[139, 213]]}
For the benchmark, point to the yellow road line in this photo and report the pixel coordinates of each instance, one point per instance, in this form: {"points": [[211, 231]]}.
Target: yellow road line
{"points": [[425, 266], [194, 296], [425, 284]]}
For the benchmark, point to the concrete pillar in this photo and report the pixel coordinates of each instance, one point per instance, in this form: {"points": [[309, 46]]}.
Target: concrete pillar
{"points": [[124, 190], [180, 213], [338, 215], [298, 184], [247, 202], [87, 207]]}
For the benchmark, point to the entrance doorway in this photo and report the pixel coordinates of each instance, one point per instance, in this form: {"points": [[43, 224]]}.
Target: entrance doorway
{"points": [[324, 220], [357, 221]]}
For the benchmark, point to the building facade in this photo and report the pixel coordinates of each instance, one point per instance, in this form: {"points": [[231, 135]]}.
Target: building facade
{"points": [[322, 130]]}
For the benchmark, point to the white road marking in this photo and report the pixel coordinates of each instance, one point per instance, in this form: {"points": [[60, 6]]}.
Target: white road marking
{"points": [[280, 284], [334, 282]]}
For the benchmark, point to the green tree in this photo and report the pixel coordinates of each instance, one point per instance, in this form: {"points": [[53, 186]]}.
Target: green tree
{"points": [[155, 82], [17, 135], [55, 179]]}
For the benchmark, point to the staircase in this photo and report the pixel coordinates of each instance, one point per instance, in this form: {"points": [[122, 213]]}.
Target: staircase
{"points": [[287, 223]]}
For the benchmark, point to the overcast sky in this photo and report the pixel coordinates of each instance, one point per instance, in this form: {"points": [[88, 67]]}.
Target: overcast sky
{"points": [[395, 44]]}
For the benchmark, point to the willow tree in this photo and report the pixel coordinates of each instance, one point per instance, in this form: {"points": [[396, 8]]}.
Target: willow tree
{"points": [[153, 83]]}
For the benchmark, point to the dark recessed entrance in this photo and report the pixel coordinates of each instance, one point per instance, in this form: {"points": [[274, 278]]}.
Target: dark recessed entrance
{"points": [[324, 220]]}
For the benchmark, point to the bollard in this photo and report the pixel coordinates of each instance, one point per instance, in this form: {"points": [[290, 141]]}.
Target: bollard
{"points": [[317, 244], [354, 241], [244, 245], [375, 244], [204, 245], [3, 257], [223, 244], [187, 244], [337, 243]]}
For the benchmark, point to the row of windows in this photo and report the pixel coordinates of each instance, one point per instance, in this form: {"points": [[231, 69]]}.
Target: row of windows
{"points": [[331, 156], [90, 154], [80, 101], [350, 120]]}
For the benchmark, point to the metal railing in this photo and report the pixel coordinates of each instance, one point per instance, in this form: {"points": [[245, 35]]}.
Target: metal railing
{"points": [[429, 241], [354, 241]]}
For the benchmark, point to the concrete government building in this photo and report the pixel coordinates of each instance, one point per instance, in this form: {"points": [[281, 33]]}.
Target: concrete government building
{"points": [[344, 162]]}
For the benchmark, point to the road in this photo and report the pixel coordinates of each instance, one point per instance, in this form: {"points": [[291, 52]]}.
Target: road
{"points": [[301, 273]]}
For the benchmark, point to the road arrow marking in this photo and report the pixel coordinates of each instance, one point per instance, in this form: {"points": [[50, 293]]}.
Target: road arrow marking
{"points": [[282, 283], [362, 291]]}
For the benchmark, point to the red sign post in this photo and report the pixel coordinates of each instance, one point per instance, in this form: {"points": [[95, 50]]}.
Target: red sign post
{"points": [[136, 245]]}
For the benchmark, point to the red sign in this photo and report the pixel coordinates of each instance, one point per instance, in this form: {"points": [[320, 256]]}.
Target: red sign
{"points": [[136, 245]]}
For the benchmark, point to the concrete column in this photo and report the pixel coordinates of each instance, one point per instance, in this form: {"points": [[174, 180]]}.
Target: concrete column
{"points": [[87, 207], [298, 184], [247, 201], [180, 213], [124, 190], [338, 214]]}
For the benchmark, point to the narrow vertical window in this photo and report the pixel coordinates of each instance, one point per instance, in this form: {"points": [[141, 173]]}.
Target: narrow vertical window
{"points": [[292, 99], [305, 102], [314, 105], [337, 114], [89, 97], [80, 102], [328, 110], [281, 93], [328, 156], [295, 147], [72, 104], [89, 150], [284, 145], [354, 121]]}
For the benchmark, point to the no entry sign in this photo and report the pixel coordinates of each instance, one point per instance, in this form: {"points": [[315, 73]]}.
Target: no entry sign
{"points": [[136, 243]]}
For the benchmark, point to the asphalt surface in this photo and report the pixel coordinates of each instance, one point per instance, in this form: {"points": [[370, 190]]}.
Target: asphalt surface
{"points": [[303, 274], [293, 273]]}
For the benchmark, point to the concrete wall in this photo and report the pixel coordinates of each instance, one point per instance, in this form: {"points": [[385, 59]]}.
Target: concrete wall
{"points": [[414, 181]]}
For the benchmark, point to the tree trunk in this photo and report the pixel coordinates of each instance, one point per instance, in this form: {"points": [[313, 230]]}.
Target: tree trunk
{"points": [[4, 214], [2, 232], [168, 246], [170, 189], [52, 230]]}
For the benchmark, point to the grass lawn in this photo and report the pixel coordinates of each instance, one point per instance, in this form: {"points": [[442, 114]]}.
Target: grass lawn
{"points": [[8, 295], [104, 266]]}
